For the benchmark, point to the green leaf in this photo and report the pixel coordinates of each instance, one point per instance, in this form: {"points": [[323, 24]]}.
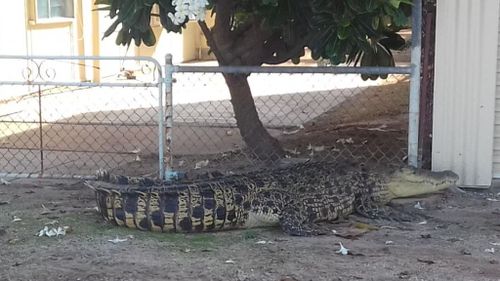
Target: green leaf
{"points": [[343, 33], [375, 22], [400, 19], [395, 3], [101, 9], [149, 38], [111, 28], [386, 20], [102, 2], [372, 5]]}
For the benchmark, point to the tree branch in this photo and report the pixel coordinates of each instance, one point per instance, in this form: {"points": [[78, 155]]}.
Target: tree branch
{"points": [[222, 26], [211, 42]]}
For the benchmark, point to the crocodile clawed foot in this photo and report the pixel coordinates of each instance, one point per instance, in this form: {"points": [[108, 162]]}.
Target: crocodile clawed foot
{"points": [[401, 214], [380, 213], [295, 223], [368, 212], [391, 213]]}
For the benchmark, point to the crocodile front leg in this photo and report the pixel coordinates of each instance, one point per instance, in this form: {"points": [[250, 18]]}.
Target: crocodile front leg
{"points": [[294, 221]]}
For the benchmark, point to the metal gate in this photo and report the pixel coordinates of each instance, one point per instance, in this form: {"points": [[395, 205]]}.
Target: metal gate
{"points": [[55, 122]]}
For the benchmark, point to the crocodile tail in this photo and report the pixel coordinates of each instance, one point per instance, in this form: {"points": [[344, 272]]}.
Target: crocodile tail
{"points": [[182, 208], [103, 200], [161, 210], [124, 208]]}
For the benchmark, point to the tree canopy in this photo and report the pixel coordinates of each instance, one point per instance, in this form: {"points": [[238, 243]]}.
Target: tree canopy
{"points": [[337, 30]]}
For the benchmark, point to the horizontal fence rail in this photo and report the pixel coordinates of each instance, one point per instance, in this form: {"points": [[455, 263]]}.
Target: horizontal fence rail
{"points": [[292, 69]]}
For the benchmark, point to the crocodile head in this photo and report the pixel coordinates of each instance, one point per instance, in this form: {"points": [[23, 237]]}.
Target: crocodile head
{"points": [[409, 182]]}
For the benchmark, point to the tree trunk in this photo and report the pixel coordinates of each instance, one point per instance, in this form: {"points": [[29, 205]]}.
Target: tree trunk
{"points": [[258, 140]]}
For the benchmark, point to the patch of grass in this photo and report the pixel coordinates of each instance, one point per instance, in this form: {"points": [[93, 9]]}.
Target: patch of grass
{"points": [[250, 234], [89, 226]]}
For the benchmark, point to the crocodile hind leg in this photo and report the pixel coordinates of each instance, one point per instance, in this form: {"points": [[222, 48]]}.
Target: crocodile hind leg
{"points": [[368, 210], [295, 222]]}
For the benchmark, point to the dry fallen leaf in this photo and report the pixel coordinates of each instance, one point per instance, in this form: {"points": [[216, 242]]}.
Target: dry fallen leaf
{"points": [[361, 225], [351, 233], [201, 164], [300, 127], [353, 230], [425, 261], [262, 242], [288, 278], [13, 241], [344, 141]]}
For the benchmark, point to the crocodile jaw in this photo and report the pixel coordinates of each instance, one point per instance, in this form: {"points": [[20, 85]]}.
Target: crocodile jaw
{"points": [[413, 182]]}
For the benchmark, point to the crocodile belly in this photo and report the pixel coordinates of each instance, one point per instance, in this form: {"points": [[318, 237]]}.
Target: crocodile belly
{"points": [[259, 219]]}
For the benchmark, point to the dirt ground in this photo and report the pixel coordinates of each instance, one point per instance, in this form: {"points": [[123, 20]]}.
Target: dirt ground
{"points": [[376, 122], [448, 240]]}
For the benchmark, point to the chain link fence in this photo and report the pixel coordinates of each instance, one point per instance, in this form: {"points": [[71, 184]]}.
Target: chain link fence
{"points": [[313, 112], [52, 124], [136, 120]]}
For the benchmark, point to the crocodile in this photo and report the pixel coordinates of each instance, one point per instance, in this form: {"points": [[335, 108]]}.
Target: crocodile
{"points": [[295, 197]]}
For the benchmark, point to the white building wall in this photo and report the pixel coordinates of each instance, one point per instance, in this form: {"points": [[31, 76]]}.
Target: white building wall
{"points": [[465, 86], [12, 27], [12, 37]]}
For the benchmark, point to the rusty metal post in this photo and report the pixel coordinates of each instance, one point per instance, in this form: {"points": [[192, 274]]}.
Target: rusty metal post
{"points": [[427, 82]]}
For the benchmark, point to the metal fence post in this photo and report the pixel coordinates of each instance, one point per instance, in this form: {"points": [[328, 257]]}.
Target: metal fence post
{"points": [[40, 129], [167, 171], [414, 102], [161, 128]]}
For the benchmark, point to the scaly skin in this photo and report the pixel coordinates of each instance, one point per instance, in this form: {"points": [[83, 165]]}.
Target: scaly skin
{"points": [[295, 197]]}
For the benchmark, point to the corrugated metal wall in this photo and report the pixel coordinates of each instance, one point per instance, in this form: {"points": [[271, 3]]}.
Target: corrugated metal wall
{"points": [[465, 87], [496, 143]]}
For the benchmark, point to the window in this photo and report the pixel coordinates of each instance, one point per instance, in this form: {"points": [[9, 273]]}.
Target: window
{"points": [[49, 9]]}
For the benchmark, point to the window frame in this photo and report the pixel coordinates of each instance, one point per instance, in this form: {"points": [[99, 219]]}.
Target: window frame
{"points": [[50, 21]]}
